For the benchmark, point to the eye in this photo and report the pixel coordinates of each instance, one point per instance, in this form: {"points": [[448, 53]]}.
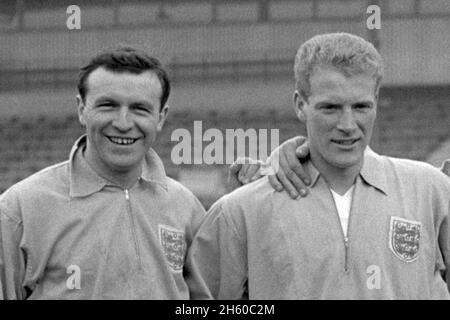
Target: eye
{"points": [[362, 106], [329, 107], [141, 108], [106, 105]]}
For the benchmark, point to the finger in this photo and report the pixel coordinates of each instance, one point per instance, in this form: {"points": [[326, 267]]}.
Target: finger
{"points": [[256, 176], [283, 166], [302, 150], [243, 173], [234, 168], [232, 181], [251, 171], [287, 184], [246, 163], [275, 183], [298, 184], [296, 163], [271, 165], [297, 174]]}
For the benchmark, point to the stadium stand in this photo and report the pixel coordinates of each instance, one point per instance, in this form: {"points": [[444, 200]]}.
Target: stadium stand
{"points": [[409, 125], [231, 66]]}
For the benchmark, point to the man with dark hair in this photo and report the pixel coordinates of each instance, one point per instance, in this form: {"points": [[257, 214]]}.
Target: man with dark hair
{"points": [[125, 59], [108, 223]]}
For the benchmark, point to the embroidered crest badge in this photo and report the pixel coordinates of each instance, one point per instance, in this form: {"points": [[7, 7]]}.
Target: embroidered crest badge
{"points": [[404, 238], [174, 246]]}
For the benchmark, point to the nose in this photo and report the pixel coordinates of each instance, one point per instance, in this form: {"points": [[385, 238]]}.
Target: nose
{"points": [[122, 120], [347, 121]]}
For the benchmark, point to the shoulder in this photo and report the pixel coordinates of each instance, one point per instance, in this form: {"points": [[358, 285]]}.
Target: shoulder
{"points": [[251, 207], [253, 193], [177, 189], [179, 193], [40, 186], [416, 174], [42, 181], [414, 168], [51, 177], [248, 200]]}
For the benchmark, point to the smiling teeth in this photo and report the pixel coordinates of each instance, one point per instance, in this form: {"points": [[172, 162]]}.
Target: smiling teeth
{"points": [[346, 142], [123, 141]]}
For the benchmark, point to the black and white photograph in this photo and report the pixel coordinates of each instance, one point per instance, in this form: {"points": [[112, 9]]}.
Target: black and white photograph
{"points": [[239, 151]]}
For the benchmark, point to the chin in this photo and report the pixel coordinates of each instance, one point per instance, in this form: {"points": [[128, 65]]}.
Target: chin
{"points": [[124, 166], [347, 163], [342, 160]]}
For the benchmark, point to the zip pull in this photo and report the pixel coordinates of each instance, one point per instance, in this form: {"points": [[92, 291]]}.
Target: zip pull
{"points": [[127, 195], [346, 254]]}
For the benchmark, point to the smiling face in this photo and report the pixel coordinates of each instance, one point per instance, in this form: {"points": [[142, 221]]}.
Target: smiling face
{"points": [[122, 115], [339, 116]]}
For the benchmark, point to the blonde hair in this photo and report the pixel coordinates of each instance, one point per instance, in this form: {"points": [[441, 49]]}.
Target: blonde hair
{"points": [[346, 52]]}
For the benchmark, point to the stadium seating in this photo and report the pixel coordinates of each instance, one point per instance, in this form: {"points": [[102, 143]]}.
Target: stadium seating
{"points": [[225, 52], [406, 128]]}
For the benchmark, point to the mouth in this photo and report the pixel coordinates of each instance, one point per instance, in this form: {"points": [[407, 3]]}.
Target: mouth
{"points": [[345, 142], [123, 141]]}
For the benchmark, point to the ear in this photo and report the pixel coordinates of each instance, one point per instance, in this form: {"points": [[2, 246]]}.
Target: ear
{"points": [[299, 106], [81, 109], [162, 117], [377, 94]]}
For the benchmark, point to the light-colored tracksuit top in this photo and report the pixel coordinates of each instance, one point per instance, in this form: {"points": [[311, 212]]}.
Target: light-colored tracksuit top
{"points": [[261, 244], [66, 233]]}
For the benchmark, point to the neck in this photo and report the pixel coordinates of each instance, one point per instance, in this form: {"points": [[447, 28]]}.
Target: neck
{"points": [[122, 178], [338, 179]]}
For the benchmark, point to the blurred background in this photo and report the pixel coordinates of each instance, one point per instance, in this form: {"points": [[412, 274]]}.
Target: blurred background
{"points": [[230, 63]]}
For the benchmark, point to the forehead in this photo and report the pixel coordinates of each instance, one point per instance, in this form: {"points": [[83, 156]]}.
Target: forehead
{"points": [[123, 85], [331, 84]]}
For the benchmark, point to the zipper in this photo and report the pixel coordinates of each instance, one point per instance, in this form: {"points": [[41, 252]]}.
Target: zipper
{"points": [[346, 253], [345, 237], [133, 228]]}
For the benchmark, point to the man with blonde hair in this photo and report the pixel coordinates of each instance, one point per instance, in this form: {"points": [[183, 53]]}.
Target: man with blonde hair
{"points": [[371, 227]]}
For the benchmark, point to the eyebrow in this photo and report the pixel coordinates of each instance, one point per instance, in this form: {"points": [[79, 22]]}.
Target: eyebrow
{"points": [[325, 102], [143, 103], [134, 103], [104, 99], [364, 102]]}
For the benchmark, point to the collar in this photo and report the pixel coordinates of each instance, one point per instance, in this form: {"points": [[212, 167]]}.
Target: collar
{"points": [[372, 171], [85, 181]]}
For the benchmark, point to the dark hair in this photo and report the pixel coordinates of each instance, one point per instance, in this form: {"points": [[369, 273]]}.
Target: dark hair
{"points": [[125, 59]]}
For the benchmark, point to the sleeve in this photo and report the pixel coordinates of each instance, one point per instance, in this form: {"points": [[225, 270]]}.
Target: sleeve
{"points": [[197, 287], [12, 259], [218, 258], [444, 232], [444, 246]]}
